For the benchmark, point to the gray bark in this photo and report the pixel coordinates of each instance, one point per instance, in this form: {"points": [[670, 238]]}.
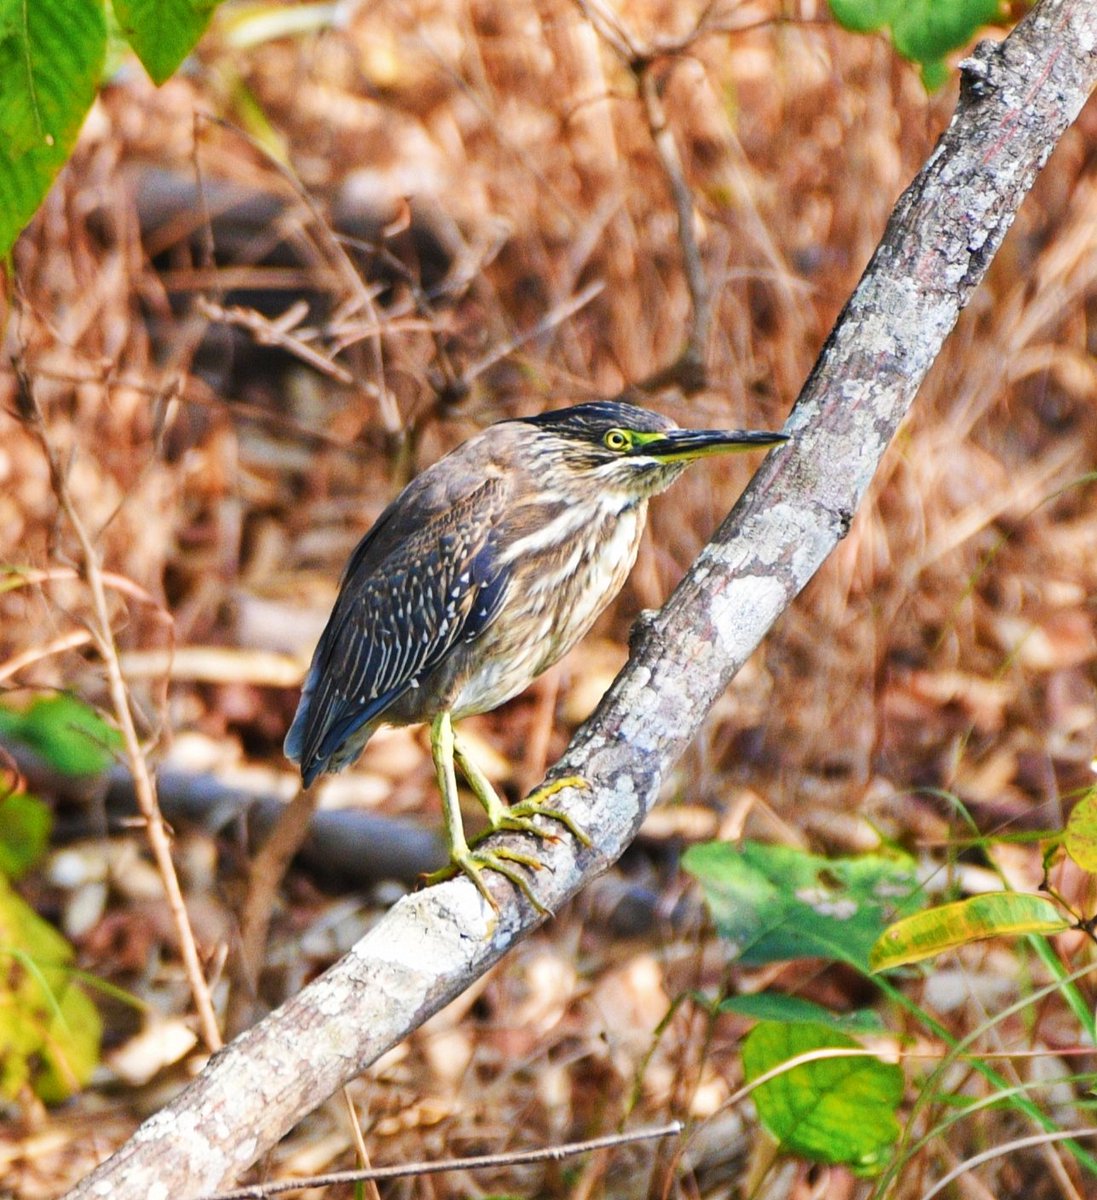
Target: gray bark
{"points": [[1016, 100]]}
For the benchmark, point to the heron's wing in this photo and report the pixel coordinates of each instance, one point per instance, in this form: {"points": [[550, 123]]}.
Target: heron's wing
{"points": [[409, 594]]}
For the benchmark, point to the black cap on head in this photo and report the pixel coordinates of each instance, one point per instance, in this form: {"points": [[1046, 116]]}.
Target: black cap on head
{"points": [[595, 418]]}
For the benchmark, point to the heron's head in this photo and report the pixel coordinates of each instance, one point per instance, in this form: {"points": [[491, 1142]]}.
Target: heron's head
{"points": [[618, 447]]}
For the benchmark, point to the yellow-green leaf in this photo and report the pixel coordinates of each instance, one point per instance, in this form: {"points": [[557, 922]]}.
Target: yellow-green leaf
{"points": [[944, 928], [49, 1028], [24, 833], [1080, 837]]}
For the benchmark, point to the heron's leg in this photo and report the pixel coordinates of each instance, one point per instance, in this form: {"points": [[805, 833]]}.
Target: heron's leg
{"points": [[481, 786], [473, 864], [518, 816]]}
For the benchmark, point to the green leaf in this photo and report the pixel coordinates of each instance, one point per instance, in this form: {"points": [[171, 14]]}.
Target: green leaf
{"points": [[49, 1028], [935, 74], [163, 32], [831, 1110], [775, 903], [950, 925], [864, 16], [70, 736], [1080, 836], [776, 1006], [51, 58], [922, 31], [24, 833]]}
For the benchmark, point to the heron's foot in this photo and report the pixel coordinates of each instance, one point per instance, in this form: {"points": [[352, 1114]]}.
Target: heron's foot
{"points": [[520, 816], [474, 863]]}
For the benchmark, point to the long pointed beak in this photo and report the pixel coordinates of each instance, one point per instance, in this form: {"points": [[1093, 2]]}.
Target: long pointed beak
{"points": [[684, 445]]}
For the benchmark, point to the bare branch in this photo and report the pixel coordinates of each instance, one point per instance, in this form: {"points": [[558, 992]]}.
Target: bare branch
{"points": [[478, 1163]]}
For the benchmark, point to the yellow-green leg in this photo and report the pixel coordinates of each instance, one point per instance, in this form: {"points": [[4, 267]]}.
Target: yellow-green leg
{"points": [[473, 864], [518, 817]]}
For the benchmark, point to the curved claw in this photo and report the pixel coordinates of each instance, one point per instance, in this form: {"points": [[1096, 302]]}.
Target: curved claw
{"points": [[517, 822], [519, 816], [475, 863]]}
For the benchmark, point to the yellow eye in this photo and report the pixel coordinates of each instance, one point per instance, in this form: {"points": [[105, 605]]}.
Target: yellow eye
{"points": [[617, 439]]}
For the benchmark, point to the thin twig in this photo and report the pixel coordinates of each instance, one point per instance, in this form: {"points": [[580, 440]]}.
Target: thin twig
{"points": [[559, 314], [688, 370], [480, 1162], [277, 332], [265, 874], [341, 262], [451, 385], [144, 785], [360, 1143], [67, 641], [611, 29], [1004, 1149], [12, 578]]}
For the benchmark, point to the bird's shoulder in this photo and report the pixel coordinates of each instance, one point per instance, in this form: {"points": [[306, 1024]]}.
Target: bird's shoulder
{"points": [[450, 508]]}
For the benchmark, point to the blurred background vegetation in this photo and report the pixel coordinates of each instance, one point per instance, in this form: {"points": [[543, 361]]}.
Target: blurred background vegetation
{"points": [[343, 238]]}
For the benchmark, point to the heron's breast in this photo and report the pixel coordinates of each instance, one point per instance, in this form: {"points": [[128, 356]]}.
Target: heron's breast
{"points": [[556, 594]]}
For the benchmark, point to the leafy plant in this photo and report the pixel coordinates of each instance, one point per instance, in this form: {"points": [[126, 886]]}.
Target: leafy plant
{"points": [[52, 55], [775, 903], [72, 737], [163, 32], [1080, 835], [49, 1028], [24, 833], [948, 926], [778, 1006], [922, 31]]}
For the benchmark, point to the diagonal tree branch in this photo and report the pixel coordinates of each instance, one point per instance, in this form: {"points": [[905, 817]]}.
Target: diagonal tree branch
{"points": [[1017, 99]]}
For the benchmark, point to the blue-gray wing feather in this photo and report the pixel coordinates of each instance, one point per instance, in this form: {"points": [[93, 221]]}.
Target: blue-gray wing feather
{"points": [[408, 596]]}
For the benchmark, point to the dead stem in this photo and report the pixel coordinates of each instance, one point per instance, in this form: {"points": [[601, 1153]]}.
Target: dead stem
{"points": [[144, 784], [477, 1163], [268, 867], [688, 369], [67, 641], [278, 332], [360, 1143], [357, 289]]}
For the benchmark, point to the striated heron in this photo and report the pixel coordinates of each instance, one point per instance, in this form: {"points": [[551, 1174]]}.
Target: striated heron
{"points": [[483, 572]]}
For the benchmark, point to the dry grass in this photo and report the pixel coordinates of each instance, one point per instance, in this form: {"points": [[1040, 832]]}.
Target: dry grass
{"points": [[948, 644]]}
